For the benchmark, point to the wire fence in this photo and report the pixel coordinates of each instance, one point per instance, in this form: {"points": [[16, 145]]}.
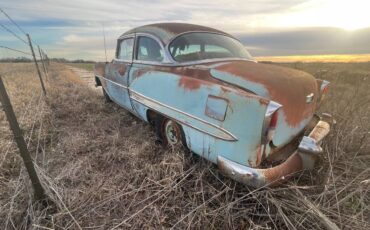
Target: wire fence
{"points": [[23, 99]]}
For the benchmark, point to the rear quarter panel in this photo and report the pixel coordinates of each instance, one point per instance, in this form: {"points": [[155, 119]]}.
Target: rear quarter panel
{"points": [[186, 100]]}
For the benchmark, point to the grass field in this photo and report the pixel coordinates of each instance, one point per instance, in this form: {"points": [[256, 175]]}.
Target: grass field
{"points": [[86, 66], [100, 166], [340, 58]]}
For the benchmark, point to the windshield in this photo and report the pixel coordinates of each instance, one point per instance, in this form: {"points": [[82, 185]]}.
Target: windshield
{"points": [[200, 46]]}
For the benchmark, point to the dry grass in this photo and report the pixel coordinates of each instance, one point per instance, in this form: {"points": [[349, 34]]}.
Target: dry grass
{"points": [[102, 169], [318, 58]]}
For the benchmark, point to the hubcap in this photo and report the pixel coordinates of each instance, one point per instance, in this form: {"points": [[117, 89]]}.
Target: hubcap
{"points": [[172, 133]]}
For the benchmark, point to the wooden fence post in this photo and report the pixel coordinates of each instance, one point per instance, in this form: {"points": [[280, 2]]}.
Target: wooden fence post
{"points": [[39, 193], [43, 63], [37, 66]]}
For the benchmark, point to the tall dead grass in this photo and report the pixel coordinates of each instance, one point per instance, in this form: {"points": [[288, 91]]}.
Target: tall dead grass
{"points": [[102, 169]]}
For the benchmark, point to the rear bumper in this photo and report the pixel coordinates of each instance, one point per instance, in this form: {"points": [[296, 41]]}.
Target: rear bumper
{"points": [[303, 158]]}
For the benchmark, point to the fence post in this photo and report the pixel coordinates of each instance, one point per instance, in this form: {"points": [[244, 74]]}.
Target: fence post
{"points": [[45, 59], [39, 192], [37, 66], [43, 63]]}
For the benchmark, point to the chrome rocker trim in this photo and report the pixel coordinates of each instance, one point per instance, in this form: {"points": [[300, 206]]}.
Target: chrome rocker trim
{"points": [[152, 104]]}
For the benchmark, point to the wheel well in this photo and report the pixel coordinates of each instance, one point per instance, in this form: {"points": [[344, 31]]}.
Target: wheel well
{"points": [[97, 81], [151, 116]]}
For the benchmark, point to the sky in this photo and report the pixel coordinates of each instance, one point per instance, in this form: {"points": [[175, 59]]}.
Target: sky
{"points": [[74, 29]]}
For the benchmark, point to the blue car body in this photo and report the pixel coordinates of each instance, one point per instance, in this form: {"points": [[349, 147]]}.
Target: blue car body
{"points": [[223, 105]]}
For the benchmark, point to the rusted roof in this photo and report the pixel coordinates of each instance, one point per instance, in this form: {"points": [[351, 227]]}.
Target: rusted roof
{"points": [[166, 31]]}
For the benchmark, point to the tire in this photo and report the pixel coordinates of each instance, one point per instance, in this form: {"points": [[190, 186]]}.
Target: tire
{"points": [[169, 132], [106, 96]]}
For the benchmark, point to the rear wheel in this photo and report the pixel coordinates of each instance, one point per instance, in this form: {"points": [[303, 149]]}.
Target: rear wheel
{"points": [[169, 132], [106, 96]]}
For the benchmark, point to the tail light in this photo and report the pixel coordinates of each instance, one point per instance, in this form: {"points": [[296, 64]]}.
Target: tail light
{"points": [[270, 122], [324, 88], [272, 126]]}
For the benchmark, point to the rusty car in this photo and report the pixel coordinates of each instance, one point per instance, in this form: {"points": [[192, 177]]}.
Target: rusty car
{"points": [[201, 88]]}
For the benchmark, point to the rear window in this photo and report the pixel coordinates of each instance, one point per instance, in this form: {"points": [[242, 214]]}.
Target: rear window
{"points": [[202, 46]]}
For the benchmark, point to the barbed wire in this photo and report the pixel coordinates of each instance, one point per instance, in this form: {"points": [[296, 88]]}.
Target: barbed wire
{"points": [[20, 29], [10, 19], [13, 33], [16, 50]]}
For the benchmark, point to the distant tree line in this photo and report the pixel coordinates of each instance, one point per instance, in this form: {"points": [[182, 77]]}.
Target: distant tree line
{"points": [[18, 59]]}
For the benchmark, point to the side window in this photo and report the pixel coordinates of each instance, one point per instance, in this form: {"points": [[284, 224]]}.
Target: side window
{"points": [[148, 49], [125, 49]]}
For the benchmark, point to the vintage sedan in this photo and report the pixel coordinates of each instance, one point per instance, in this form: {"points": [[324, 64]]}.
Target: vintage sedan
{"points": [[201, 88]]}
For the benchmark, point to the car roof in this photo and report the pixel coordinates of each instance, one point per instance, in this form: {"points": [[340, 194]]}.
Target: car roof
{"points": [[167, 31]]}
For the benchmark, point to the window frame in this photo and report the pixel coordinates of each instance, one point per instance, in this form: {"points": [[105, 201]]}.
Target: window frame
{"points": [[165, 61], [187, 63], [118, 48], [137, 50]]}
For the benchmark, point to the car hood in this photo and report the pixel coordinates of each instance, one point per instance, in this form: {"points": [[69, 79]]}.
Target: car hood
{"points": [[288, 87]]}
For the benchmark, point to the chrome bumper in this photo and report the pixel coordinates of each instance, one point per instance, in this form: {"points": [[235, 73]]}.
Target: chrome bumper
{"points": [[303, 158]]}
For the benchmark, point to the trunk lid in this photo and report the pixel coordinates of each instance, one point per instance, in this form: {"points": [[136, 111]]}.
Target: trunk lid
{"points": [[295, 90]]}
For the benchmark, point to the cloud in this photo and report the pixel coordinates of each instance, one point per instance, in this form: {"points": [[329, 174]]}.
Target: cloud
{"points": [[73, 29], [307, 41]]}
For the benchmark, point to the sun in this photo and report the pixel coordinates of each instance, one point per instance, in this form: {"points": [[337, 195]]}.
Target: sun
{"points": [[349, 14], [345, 14]]}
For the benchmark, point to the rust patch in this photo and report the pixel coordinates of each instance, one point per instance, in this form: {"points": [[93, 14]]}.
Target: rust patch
{"points": [[189, 83], [140, 72], [122, 70], [263, 101], [259, 156], [286, 86], [292, 165]]}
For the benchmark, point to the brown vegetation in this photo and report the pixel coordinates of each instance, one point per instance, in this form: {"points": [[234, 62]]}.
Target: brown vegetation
{"points": [[102, 169]]}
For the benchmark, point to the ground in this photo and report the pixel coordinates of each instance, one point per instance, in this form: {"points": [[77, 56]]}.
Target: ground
{"points": [[102, 169]]}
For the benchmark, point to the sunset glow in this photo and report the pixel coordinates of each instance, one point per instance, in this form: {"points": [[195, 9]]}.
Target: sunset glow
{"points": [[266, 27]]}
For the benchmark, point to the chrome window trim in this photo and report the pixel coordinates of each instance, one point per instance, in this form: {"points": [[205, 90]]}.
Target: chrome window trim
{"points": [[232, 137], [204, 60], [167, 58], [119, 40]]}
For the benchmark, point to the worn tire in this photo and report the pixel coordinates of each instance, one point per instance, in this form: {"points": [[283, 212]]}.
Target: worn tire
{"points": [[169, 132], [106, 96]]}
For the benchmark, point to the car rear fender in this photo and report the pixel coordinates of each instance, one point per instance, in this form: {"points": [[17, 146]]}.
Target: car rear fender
{"points": [[217, 120]]}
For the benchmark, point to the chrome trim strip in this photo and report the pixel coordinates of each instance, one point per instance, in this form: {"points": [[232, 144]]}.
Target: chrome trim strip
{"points": [[232, 137], [211, 60], [123, 86]]}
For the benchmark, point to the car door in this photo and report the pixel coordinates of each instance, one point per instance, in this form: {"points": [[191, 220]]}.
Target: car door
{"points": [[119, 69], [149, 59]]}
